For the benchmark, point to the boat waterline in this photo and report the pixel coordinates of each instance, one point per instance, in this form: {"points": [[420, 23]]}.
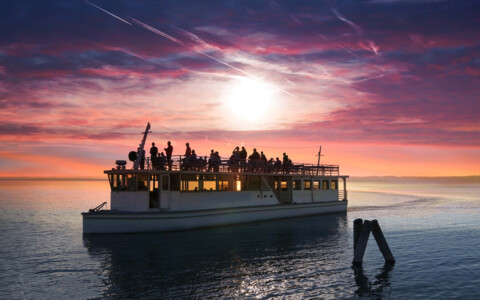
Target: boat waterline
{"points": [[162, 221]]}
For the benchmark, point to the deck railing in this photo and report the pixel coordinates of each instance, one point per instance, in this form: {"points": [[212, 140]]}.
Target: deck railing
{"points": [[203, 164], [342, 195]]}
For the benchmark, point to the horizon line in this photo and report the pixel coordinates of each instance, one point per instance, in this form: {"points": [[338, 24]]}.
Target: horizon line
{"points": [[27, 178]]}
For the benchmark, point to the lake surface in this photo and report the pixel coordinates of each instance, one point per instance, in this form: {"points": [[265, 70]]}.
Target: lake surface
{"points": [[432, 227]]}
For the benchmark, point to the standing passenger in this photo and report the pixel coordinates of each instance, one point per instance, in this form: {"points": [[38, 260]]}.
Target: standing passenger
{"points": [[263, 157], [188, 151], [169, 151], [141, 153], [243, 154], [153, 151]]}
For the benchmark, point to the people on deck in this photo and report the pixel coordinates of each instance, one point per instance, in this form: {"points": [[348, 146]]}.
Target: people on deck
{"points": [[236, 152], [270, 165], [263, 157], [158, 162], [278, 165], [243, 154], [193, 157], [141, 153], [286, 163], [257, 162], [212, 161], [153, 151], [188, 151], [255, 155], [168, 152]]}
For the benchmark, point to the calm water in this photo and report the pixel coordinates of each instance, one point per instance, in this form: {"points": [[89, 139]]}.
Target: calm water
{"points": [[433, 230]]}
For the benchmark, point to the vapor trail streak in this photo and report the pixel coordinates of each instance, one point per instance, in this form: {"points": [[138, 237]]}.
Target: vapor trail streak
{"points": [[161, 33], [107, 12], [175, 40]]}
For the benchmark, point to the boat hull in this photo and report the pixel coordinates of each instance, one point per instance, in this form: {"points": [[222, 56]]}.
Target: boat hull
{"points": [[162, 221]]}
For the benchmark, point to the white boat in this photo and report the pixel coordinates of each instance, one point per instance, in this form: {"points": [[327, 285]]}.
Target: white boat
{"points": [[182, 194]]}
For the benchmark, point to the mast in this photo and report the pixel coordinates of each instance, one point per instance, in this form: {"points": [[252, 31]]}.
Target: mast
{"points": [[141, 152], [319, 154]]}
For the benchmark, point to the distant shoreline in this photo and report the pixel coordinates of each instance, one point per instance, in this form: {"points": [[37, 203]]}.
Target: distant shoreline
{"points": [[450, 179], [50, 179], [459, 179]]}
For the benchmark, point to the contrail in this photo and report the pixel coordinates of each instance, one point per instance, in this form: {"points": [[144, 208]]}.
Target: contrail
{"points": [[161, 33], [177, 41], [107, 12]]}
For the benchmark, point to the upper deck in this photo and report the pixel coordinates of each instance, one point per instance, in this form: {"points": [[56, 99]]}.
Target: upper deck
{"points": [[202, 164]]}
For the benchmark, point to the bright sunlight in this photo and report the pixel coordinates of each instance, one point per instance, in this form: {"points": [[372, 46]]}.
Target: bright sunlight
{"points": [[250, 100]]}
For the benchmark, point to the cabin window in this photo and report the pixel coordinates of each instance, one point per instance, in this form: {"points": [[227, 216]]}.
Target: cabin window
{"points": [[334, 184], [240, 183], [143, 182], [284, 185], [174, 182], [324, 184], [223, 185], [253, 183], [223, 182], [153, 183], [114, 182], [307, 185], [190, 182], [165, 182], [316, 184], [121, 182], [131, 182], [297, 184], [209, 182]]}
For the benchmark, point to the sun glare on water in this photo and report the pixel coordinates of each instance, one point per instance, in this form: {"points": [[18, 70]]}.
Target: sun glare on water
{"points": [[251, 100]]}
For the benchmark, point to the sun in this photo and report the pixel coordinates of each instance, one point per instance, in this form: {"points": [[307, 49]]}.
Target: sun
{"points": [[250, 100]]}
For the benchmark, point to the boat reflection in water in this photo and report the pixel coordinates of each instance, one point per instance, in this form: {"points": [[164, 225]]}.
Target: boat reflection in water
{"points": [[292, 257], [372, 288]]}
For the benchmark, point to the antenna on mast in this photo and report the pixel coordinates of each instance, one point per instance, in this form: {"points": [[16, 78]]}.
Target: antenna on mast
{"points": [[141, 151], [319, 155]]}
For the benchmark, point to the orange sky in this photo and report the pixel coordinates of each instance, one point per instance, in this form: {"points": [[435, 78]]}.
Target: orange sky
{"points": [[385, 91]]}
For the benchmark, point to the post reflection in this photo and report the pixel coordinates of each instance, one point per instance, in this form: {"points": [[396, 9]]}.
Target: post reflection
{"points": [[244, 260], [375, 289]]}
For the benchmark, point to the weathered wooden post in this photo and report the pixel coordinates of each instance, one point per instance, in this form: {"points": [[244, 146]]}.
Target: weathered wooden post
{"points": [[381, 242], [357, 228], [362, 242], [361, 233]]}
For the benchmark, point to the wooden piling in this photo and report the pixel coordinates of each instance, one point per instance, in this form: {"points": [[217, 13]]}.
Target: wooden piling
{"points": [[357, 228], [381, 242], [362, 242]]}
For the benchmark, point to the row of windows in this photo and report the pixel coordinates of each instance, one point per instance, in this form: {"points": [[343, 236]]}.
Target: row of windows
{"points": [[315, 184], [209, 182]]}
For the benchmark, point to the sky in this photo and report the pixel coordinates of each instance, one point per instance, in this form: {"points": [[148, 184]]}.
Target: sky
{"points": [[386, 87]]}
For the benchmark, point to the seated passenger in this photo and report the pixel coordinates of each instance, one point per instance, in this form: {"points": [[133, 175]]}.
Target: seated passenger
{"points": [[162, 161]]}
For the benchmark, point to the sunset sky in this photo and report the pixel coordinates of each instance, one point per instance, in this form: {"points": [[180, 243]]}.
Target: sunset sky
{"points": [[386, 87]]}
